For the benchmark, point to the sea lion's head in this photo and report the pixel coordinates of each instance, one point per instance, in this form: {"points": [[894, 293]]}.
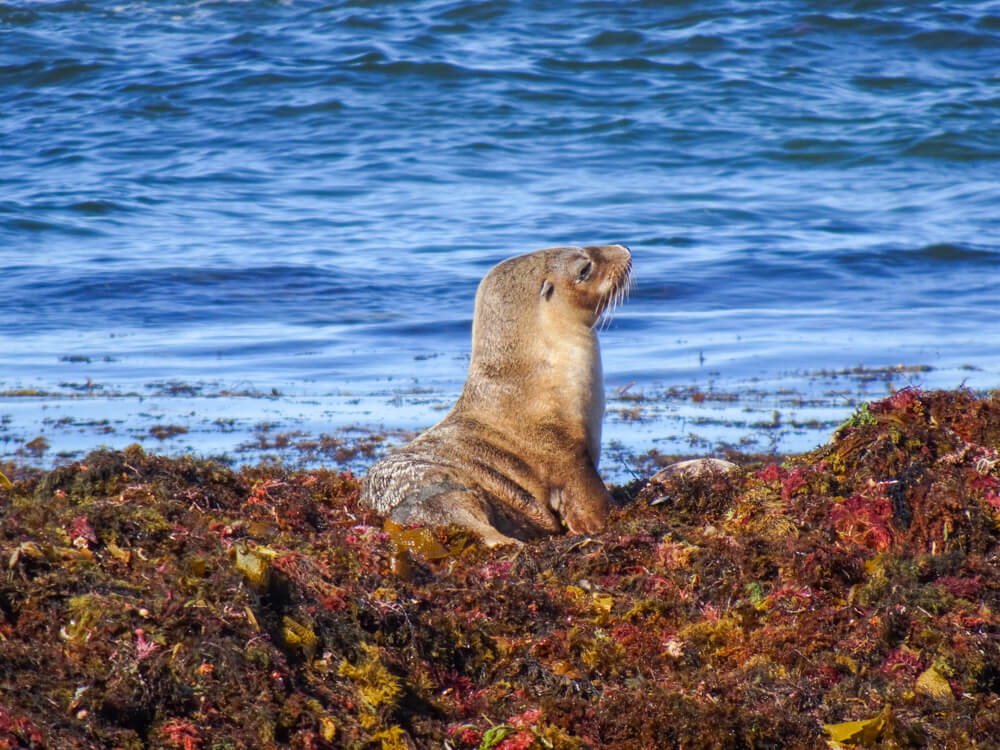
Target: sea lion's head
{"points": [[526, 302], [570, 284], [580, 283]]}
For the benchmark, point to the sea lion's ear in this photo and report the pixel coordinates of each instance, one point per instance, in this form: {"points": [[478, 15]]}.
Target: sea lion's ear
{"points": [[547, 290]]}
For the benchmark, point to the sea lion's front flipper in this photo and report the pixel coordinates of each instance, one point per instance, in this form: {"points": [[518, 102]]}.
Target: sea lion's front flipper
{"points": [[449, 503], [583, 501]]}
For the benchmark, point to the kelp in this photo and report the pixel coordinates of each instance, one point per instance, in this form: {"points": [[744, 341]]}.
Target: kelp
{"points": [[847, 597]]}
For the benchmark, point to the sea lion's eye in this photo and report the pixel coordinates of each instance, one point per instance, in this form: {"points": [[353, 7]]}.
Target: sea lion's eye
{"points": [[585, 272]]}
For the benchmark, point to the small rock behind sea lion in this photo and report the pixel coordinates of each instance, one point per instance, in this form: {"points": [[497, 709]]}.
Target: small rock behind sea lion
{"points": [[658, 488]]}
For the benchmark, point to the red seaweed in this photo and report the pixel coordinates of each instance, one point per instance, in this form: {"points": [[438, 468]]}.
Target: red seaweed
{"points": [[848, 595]]}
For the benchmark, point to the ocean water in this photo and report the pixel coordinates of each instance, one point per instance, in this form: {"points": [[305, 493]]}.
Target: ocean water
{"points": [[254, 219]]}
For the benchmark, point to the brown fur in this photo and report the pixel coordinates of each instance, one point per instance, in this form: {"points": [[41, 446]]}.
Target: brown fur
{"points": [[516, 458]]}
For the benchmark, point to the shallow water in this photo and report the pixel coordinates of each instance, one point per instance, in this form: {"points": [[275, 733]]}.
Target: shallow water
{"points": [[299, 198]]}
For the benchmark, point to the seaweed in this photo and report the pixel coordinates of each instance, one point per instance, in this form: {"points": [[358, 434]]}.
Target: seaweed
{"points": [[846, 597]]}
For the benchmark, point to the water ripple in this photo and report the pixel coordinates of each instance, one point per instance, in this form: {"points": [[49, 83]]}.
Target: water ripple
{"points": [[352, 169]]}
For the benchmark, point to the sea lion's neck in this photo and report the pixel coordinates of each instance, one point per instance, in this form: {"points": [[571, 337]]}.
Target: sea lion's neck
{"points": [[576, 388], [555, 376]]}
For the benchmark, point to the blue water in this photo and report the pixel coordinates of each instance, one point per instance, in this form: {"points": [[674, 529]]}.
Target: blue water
{"points": [[300, 197]]}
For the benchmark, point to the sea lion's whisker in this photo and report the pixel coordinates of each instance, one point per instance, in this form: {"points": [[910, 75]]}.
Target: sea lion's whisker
{"points": [[609, 302]]}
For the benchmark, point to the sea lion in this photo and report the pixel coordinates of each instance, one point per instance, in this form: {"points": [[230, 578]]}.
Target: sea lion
{"points": [[516, 457]]}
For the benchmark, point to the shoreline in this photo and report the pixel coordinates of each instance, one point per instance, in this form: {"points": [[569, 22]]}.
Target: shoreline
{"points": [[301, 426]]}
